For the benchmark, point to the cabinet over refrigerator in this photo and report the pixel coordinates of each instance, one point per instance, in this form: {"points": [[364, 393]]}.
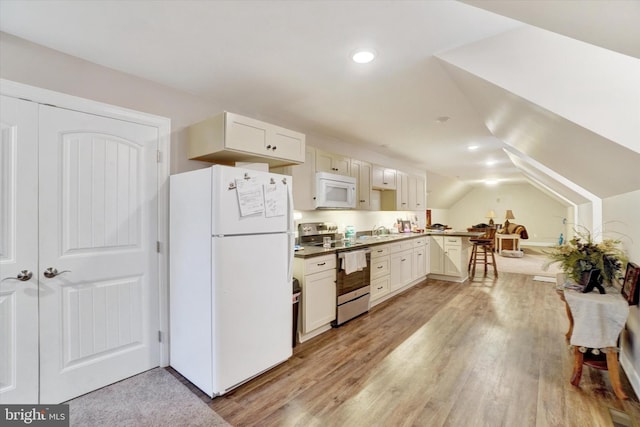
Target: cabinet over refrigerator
{"points": [[231, 254]]}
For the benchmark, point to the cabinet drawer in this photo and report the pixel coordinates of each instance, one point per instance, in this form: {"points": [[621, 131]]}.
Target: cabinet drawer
{"points": [[406, 245], [321, 263], [380, 251], [453, 241], [419, 242], [379, 287], [379, 267]]}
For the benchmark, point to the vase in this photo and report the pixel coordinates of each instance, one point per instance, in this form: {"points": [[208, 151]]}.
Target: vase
{"points": [[592, 279]]}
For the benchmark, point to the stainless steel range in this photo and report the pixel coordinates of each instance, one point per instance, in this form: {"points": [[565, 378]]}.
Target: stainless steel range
{"points": [[353, 290]]}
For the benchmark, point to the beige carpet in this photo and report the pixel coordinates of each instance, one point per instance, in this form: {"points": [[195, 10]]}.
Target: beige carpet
{"points": [[152, 399], [531, 263]]}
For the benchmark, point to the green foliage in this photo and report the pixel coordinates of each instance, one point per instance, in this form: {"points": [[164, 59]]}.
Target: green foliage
{"points": [[581, 254]]}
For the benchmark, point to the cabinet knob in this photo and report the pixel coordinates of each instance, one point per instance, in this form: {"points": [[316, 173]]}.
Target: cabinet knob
{"points": [[269, 147], [362, 201], [274, 147]]}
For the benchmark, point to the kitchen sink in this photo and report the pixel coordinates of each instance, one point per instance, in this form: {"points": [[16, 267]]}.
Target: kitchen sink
{"points": [[378, 238]]}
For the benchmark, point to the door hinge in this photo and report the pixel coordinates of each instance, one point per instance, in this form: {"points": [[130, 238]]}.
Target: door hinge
{"points": [[158, 246], [159, 336], [159, 156]]}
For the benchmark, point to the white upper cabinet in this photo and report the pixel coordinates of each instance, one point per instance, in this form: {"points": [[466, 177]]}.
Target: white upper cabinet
{"points": [[383, 178], [416, 192], [332, 163], [362, 172], [229, 137]]}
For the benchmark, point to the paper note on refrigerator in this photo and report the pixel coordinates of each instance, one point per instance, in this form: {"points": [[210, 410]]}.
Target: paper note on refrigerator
{"points": [[250, 197], [275, 200]]}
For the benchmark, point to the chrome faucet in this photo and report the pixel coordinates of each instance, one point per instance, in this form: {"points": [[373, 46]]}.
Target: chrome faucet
{"points": [[379, 230]]}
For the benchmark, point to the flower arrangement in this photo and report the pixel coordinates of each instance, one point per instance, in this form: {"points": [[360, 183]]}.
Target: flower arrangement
{"points": [[582, 254]]}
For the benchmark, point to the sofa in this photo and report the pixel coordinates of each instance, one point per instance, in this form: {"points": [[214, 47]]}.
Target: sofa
{"points": [[512, 228]]}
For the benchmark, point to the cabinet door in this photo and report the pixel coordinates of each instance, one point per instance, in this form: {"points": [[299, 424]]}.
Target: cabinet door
{"points": [[362, 172], [436, 254], [418, 267], [318, 300], [245, 134], [332, 163], [400, 274], [383, 178], [420, 193], [453, 261], [427, 257], [285, 143], [402, 190], [304, 181]]}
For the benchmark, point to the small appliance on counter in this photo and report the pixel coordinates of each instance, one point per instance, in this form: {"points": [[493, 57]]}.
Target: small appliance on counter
{"points": [[313, 233]]}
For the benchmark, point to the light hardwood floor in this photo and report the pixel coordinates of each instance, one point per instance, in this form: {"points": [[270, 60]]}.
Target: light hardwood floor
{"points": [[485, 353]]}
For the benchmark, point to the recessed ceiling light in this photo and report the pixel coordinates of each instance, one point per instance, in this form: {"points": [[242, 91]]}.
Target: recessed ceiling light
{"points": [[490, 162], [472, 147], [442, 119], [491, 181], [363, 56]]}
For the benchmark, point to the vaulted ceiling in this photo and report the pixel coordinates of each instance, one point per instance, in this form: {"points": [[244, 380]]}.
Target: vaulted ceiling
{"points": [[550, 95]]}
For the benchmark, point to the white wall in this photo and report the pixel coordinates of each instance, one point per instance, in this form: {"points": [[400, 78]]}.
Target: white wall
{"points": [[35, 65], [620, 218], [540, 214]]}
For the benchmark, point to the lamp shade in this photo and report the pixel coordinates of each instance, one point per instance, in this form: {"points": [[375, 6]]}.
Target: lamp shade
{"points": [[509, 214], [491, 214]]}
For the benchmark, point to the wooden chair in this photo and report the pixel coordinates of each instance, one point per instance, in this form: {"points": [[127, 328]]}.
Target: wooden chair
{"points": [[481, 250]]}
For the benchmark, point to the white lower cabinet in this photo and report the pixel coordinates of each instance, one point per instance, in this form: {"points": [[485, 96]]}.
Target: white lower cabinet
{"points": [[401, 264], [448, 257], [419, 264], [317, 278]]}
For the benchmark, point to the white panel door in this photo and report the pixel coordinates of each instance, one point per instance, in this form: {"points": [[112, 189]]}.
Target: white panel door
{"points": [[18, 251], [98, 230]]}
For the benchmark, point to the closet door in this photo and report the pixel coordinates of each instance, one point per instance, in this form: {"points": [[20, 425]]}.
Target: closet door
{"points": [[98, 266], [18, 251]]}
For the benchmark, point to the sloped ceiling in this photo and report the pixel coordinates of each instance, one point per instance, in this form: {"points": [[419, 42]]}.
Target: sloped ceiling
{"points": [[572, 107], [611, 24]]}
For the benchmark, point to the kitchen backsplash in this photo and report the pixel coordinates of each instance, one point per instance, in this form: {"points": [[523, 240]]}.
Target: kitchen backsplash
{"points": [[361, 220]]}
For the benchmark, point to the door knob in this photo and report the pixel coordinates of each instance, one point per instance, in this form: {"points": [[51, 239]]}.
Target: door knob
{"points": [[23, 276], [51, 272]]}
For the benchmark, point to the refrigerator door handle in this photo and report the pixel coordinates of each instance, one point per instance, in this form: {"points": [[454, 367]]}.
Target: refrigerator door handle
{"points": [[290, 230]]}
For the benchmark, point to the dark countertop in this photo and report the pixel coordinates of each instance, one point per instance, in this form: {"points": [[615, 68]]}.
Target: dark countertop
{"points": [[340, 246]]}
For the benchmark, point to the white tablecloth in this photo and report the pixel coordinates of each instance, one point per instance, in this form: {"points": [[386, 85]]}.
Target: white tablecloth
{"points": [[598, 319]]}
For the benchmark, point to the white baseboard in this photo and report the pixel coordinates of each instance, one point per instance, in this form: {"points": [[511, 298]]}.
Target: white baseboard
{"points": [[526, 243], [630, 370]]}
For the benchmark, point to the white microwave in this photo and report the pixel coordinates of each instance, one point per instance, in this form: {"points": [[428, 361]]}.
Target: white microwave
{"points": [[335, 191]]}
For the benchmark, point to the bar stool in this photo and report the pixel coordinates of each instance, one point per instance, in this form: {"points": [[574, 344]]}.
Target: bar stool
{"points": [[481, 250]]}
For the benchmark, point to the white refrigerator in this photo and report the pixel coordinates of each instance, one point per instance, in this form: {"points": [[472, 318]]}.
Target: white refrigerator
{"points": [[231, 256]]}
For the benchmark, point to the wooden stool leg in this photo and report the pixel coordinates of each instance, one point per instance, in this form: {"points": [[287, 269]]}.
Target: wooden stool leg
{"points": [[578, 358], [493, 260], [475, 260], [614, 373]]}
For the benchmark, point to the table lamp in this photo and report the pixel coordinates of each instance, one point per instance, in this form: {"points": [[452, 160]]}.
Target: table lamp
{"points": [[491, 214], [508, 216]]}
